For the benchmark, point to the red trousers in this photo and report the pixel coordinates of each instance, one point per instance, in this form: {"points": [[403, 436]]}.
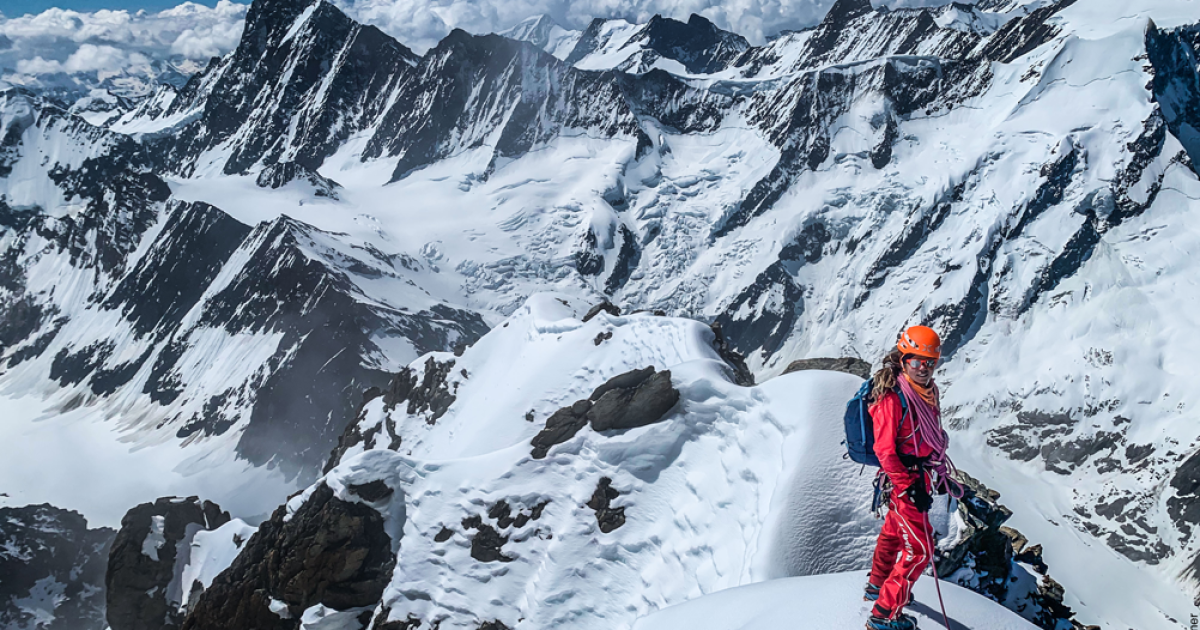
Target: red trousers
{"points": [[901, 554]]}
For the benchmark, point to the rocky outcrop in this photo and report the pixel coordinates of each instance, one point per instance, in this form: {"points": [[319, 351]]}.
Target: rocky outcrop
{"points": [[605, 306], [998, 561], [642, 398], [626, 401], [51, 569], [849, 365], [278, 175], [144, 566], [734, 359], [330, 552], [608, 517]]}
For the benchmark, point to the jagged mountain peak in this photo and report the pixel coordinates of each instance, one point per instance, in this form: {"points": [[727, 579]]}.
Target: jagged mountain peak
{"points": [[268, 21], [843, 11], [535, 30]]}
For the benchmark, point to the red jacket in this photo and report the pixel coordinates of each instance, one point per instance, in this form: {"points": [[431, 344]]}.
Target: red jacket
{"points": [[895, 436]]}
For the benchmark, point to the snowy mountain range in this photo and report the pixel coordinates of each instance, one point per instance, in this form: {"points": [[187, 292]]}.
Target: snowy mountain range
{"points": [[326, 263]]}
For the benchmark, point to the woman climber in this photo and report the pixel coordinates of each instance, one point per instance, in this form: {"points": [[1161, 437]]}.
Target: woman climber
{"points": [[911, 448]]}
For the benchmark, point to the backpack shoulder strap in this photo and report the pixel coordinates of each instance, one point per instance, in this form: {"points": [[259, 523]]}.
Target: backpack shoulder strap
{"points": [[903, 404]]}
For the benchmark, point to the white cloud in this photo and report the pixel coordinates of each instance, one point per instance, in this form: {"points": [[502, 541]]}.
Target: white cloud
{"points": [[419, 24], [110, 43], [113, 42]]}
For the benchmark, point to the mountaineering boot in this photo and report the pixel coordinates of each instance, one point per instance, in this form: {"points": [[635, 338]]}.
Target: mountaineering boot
{"points": [[871, 593], [901, 622]]}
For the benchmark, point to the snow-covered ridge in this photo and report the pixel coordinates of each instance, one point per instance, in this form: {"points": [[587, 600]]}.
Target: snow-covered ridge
{"points": [[729, 486]]}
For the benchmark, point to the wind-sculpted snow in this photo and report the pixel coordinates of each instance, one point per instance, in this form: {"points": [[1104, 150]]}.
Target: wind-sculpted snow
{"points": [[723, 490]]}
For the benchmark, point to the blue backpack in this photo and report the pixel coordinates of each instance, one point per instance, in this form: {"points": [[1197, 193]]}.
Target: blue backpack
{"points": [[860, 430]]}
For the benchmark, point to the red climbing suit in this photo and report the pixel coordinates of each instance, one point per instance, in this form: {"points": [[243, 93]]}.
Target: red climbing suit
{"points": [[902, 551]]}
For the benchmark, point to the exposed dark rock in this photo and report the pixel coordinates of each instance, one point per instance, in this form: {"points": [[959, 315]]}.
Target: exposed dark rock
{"points": [[809, 244], [1041, 419], [328, 552], [492, 625], [486, 543], [836, 20], [608, 517], [1187, 479], [1017, 539], [606, 306], [443, 535], [501, 513], [1184, 507], [1137, 452], [764, 314], [1135, 546], [1011, 440], [533, 515], [1062, 457], [41, 545], [992, 553], [561, 426], [734, 359], [433, 397], [626, 380], [147, 553], [628, 258], [352, 436], [1021, 36], [279, 175], [588, 261], [307, 392], [634, 406], [602, 337], [436, 112], [1032, 555], [372, 491], [697, 44], [300, 89], [1173, 59], [170, 278], [849, 365], [412, 622], [633, 399]]}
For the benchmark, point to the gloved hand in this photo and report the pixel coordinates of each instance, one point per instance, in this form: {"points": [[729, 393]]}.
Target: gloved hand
{"points": [[919, 496]]}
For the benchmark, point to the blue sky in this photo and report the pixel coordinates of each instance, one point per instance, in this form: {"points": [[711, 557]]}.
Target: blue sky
{"points": [[14, 8]]}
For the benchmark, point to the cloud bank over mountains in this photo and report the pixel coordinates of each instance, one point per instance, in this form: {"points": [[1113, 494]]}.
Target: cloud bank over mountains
{"points": [[130, 51], [127, 48]]}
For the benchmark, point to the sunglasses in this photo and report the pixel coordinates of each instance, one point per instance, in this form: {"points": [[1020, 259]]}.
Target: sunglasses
{"points": [[916, 363]]}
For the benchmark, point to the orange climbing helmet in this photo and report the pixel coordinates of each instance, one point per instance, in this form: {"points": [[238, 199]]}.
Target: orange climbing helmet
{"points": [[920, 341]]}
